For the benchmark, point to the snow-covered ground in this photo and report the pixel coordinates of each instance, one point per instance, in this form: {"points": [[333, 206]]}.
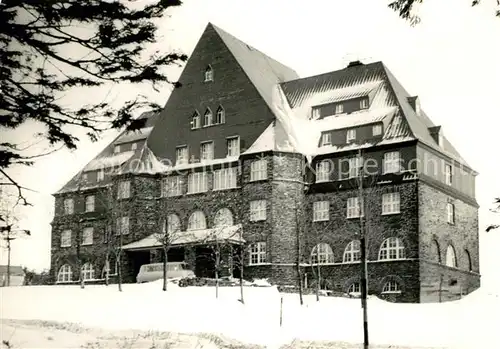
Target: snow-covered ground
{"points": [[471, 323]]}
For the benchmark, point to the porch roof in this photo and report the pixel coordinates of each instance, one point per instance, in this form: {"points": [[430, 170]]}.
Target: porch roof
{"points": [[201, 236]]}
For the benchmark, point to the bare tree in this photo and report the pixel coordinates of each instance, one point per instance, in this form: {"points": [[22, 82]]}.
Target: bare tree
{"points": [[239, 258], [298, 225]]}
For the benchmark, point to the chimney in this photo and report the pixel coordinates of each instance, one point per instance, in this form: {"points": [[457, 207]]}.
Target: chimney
{"points": [[354, 64], [415, 104], [437, 134]]}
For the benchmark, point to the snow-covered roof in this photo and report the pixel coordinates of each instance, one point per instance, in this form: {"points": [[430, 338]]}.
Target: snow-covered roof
{"points": [[201, 236], [132, 136], [113, 160]]}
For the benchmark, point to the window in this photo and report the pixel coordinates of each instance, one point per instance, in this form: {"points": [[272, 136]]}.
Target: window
{"points": [[315, 113], [223, 218], [207, 151], [469, 260], [85, 177], [391, 248], [321, 211], [122, 226], [258, 210], [450, 211], [124, 190], [68, 206], [225, 178], [197, 221], [133, 146], [377, 130], [65, 274], [208, 118], [195, 121], [100, 175], [172, 186], [390, 203], [220, 116], [352, 252], [326, 139], [90, 203], [392, 162], [351, 135], [435, 253], [451, 258], [448, 174], [339, 109], [117, 149], [353, 208], [363, 104], [354, 289], [197, 182], [173, 223], [66, 238], [181, 155], [323, 169], [257, 253], [258, 170], [88, 271], [355, 165], [233, 146], [391, 287], [322, 254], [209, 74], [87, 236]]}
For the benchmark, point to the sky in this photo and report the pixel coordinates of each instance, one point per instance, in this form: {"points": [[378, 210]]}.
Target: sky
{"points": [[451, 60]]}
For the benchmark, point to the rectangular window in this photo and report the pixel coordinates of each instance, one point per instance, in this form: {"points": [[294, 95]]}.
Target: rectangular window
{"points": [[100, 175], [377, 130], [207, 151], [353, 208], [258, 170], [339, 109], [323, 171], [450, 208], [257, 253], [315, 113], [363, 104], [181, 155], [321, 211], [355, 165], [392, 162], [133, 146], [68, 206], [258, 210], [326, 139], [122, 225], [449, 174], [233, 146], [123, 190], [66, 238], [390, 203], [85, 177], [87, 236], [197, 182], [225, 178], [116, 149], [195, 121], [351, 135], [172, 186], [90, 203]]}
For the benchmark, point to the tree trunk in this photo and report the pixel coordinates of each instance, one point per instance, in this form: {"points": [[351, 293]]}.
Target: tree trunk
{"points": [[119, 271], [8, 258], [217, 264], [106, 270], [82, 282], [318, 284], [165, 260], [241, 258]]}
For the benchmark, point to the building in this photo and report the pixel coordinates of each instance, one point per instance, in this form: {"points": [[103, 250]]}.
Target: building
{"points": [[248, 153], [17, 275]]}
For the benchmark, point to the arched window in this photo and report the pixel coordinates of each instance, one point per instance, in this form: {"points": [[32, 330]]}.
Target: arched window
{"points": [[197, 221], [391, 248], [391, 287], [209, 74], [451, 257], [173, 223], [88, 271], [354, 289], [195, 120], [352, 252], [322, 254], [223, 218], [220, 116], [65, 274], [469, 260], [435, 253], [208, 119]]}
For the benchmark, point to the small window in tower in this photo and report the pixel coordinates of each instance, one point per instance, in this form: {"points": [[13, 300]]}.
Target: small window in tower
{"points": [[209, 74]]}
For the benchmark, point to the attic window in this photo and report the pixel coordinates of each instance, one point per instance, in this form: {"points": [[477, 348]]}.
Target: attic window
{"points": [[220, 117], [195, 121], [363, 104], [315, 113], [117, 149], [208, 118], [133, 146], [209, 74], [377, 130], [351, 135], [339, 108], [326, 139]]}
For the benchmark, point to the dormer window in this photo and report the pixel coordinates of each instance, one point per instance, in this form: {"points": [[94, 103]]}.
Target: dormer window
{"points": [[117, 149], [133, 146], [363, 104], [326, 139], [208, 118], [220, 116], [351, 135], [315, 113], [209, 74], [339, 109], [195, 121], [377, 130]]}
